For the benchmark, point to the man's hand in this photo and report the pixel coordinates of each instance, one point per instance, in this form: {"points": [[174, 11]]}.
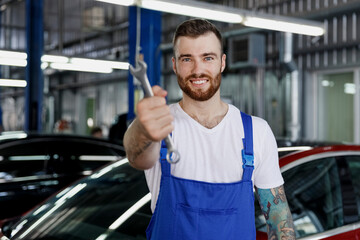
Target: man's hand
{"points": [[154, 115], [153, 123]]}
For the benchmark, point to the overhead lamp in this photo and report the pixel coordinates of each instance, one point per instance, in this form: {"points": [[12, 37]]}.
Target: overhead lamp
{"points": [[185, 8], [120, 2], [13, 54], [54, 59], [12, 83], [12, 58], [229, 15], [102, 63], [44, 65], [283, 26], [13, 62], [80, 68]]}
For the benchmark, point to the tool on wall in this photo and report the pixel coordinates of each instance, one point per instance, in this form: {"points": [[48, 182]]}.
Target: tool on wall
{"points": [[139, 73]]}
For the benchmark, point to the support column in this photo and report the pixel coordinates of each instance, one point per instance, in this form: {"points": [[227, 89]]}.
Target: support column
{"points": [[34, 75], [260, 98], [144, 40], [287, 59]]}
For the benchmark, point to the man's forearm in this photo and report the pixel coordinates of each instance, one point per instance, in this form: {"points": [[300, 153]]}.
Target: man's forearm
{"points": [[278, 217], [141, 152]]}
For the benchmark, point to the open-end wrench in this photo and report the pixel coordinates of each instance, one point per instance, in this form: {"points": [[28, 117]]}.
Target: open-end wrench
{"points": [[139, 73]]}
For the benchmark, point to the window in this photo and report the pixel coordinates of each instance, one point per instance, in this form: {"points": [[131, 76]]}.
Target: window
{"points": [[323, 194], [336, 107], [314, 194], [354, 167]]}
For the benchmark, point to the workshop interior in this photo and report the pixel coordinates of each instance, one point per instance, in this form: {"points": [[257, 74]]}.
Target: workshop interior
{"points": [[305, 84], [73, 71]]}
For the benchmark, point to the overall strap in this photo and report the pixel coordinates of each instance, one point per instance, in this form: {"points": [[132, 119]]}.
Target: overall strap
{"points": [[165, 166], [247, 152]]}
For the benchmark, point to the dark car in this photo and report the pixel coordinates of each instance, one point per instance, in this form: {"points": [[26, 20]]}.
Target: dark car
{"points": [[34, 166], [322, 186]]}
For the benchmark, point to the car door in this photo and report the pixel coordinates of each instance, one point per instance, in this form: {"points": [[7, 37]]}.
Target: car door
{"points": [[323, 195], [33, 169]]}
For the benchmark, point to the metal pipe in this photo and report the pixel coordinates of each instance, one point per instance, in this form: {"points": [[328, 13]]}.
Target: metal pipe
{"points": [[287, 60]]}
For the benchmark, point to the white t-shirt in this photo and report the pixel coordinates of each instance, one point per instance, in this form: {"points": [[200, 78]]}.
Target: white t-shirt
{"points": [[214, 155]]}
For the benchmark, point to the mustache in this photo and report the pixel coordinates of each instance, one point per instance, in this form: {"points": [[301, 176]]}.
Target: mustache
{"points": [[201, 75]]}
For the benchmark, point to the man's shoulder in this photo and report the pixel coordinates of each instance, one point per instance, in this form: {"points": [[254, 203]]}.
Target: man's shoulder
{"points": [[258, 122]]}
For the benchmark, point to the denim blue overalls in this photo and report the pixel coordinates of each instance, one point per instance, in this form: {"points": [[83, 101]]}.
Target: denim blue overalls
{"points": [[196, 210]]}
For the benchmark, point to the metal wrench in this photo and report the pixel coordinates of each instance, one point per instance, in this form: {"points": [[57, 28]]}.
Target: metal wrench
{"points": [[140, 74]]}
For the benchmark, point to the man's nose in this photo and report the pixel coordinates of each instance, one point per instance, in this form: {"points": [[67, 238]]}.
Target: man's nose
{"points": [[198, 67]]}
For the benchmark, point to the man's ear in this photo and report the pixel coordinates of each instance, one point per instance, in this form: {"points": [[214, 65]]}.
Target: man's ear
{"points": [[174, 64], [223, 62]]}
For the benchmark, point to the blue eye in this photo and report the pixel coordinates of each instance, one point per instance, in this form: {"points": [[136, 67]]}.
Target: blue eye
{"points": [[209, 58], [186, 60]]}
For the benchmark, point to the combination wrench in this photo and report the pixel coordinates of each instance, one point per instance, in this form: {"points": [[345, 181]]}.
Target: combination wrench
{"points": [[139, 73]]}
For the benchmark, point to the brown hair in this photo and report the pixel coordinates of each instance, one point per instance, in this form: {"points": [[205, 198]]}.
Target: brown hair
{"points": [[194, 28]]}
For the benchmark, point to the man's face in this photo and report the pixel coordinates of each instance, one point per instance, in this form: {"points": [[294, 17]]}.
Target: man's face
{"points": [[198, 64]]}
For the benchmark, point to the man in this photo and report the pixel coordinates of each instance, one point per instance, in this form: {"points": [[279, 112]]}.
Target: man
{"points": [[96, 132], [208, 194]]}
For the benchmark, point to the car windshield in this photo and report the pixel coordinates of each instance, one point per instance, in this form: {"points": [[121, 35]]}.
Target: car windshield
{"points": [[105, 205]]}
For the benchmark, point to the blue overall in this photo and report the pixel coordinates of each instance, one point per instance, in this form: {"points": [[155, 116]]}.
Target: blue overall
{"points": [[188, 209]]}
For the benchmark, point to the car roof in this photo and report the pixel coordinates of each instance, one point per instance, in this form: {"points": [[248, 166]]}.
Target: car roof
{"points": [[20, 135], [326, 150], [61, 142], [287, 146]]}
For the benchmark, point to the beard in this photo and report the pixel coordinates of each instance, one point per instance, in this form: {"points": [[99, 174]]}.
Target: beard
{"points": [[200, 94]]}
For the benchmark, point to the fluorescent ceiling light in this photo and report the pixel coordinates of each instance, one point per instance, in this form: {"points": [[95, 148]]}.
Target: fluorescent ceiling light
{"points": [[13, 62], [120, 2], [231, 15], [54, 59], [44, 65], [81, 68], [12, 58], [12, 83], [192, 11], [100, 63], [12, 54], [283, 26]]}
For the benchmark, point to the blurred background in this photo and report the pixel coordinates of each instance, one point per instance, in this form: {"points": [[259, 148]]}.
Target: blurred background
{"points": [[306, 85]]}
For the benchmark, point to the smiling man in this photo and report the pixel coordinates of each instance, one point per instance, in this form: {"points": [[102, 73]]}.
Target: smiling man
{"points": [[224, 153]]}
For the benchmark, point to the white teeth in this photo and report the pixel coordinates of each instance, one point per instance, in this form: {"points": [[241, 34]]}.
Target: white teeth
{"points": [[199, 82]]}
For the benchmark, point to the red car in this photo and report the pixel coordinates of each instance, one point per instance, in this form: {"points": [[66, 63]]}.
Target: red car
{"points": [[322, 186]]}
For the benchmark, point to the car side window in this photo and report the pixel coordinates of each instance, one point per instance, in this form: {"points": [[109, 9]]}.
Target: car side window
{"points": [[13, 168], [354, 167], [313, 192]]}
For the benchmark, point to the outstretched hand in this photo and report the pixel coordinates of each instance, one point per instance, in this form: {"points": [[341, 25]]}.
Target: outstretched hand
{"points": [[154, 115]]}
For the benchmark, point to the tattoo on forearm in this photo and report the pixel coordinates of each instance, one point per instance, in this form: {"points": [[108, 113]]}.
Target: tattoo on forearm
{"points": [[137, 150], [278, 217], [279, 194]]}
